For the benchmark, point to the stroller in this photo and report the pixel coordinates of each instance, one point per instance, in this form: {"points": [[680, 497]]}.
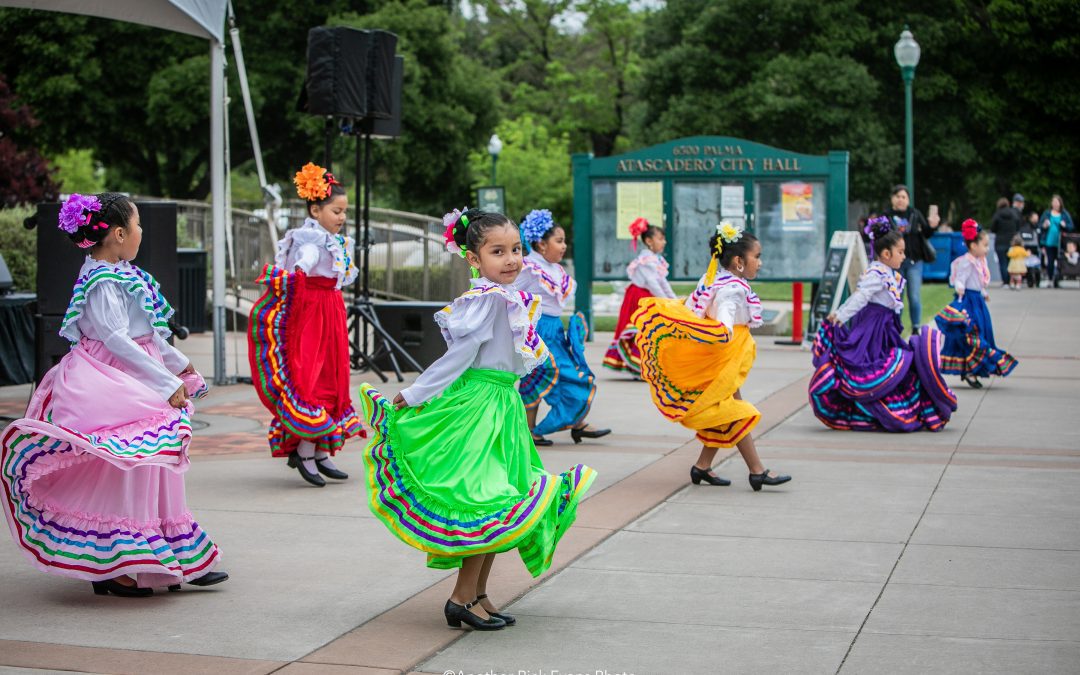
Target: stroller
{"points": [[1068, 262]]}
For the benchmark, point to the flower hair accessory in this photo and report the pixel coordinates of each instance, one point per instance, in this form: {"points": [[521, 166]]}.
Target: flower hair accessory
{"points": [[77, 212], [451, 221], [536, 225], [877, 226], [637, 228], [313, 182], [726, 233], [970, 229]]}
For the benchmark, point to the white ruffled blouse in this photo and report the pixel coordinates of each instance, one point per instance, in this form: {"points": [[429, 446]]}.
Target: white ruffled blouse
{"points": [[969, 273], [547, 280], [649, 271], [489, 326], [117, 317], [728, 300], [879, 285], [318, 252]]}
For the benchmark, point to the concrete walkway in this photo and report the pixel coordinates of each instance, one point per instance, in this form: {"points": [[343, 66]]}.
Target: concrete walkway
{"points": [[949, 552]]}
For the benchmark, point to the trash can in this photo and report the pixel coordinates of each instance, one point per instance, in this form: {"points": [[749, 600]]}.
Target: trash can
{"points": [[949, 246], [191, 302]]}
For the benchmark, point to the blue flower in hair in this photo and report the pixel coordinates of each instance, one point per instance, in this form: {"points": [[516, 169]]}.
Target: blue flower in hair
{"points": [[536, 225]]}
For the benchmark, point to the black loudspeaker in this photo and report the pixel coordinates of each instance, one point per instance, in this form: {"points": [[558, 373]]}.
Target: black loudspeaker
{"points": [[349, 73], [413, 325], [59, 261], [390, 128]]}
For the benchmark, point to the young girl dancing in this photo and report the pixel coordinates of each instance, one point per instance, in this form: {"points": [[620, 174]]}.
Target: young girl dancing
{"points": [[564, 381], [648, 279], [451, 467], [695, 356], [866, 377], [93, 475], [970, 350], [298, 342]]}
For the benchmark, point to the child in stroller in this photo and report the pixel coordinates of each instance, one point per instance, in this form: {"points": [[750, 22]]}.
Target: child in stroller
{"points": [[1068, 266], [1029, 235]]}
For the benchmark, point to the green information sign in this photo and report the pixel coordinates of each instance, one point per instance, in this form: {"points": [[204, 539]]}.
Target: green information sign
{"points": [[792, 202]]}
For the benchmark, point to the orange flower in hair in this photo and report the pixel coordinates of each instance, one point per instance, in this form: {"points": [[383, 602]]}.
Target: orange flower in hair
{"points": [[311, 183]]}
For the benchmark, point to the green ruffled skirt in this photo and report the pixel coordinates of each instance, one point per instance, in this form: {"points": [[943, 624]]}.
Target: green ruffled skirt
{"points": [[460, 476]]}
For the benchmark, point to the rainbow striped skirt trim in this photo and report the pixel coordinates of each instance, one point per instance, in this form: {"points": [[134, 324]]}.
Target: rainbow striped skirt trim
{"points": [[969, 347], [694, 367], [459, 476]]}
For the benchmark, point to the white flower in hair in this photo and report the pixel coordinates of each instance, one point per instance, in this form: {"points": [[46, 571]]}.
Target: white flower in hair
{"points": [[729, 232]]}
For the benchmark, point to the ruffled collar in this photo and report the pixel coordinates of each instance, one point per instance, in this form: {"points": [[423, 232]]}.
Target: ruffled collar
{"points": [[522, 311], [650, 259], [339, 246], [553, 277], [698, 301], [980, 266], [135, 281]]}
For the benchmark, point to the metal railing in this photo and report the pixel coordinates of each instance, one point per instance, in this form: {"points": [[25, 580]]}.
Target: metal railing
{"points": [[407, 258]]}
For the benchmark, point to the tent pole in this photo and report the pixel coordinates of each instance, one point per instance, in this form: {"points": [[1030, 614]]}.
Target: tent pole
{"points": [[217, 192]]}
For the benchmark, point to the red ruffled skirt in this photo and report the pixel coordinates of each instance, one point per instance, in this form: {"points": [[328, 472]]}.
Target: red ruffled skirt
{"points": [[298, 349], [623, 353]]}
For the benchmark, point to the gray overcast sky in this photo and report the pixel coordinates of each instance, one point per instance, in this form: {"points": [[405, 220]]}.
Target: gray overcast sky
{"points": [[570, 21]]}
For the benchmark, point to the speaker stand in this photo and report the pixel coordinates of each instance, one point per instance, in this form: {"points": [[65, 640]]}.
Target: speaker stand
{"points": [[362, 314]]}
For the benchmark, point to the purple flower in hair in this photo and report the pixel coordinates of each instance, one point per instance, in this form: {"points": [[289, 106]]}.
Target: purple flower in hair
{"points": [[877, 226], [76, 212]]}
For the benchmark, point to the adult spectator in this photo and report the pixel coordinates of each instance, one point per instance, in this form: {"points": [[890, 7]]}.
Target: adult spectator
{"points": [[1005, 223], [917, 232], [1052, 223]]}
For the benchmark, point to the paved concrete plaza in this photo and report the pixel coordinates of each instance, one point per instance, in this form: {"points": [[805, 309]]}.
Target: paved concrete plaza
{"points": [[952, 552]]}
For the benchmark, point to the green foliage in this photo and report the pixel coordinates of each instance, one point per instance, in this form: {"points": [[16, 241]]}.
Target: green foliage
{"points": [[448, 104], [19, 246], [76, 171], [534, 166]]}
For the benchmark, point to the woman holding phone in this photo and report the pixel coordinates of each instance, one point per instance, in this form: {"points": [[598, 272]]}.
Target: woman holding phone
{"points": [[917, 230]]}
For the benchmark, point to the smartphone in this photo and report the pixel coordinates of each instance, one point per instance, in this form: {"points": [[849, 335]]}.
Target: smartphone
{"points": [[933, 211]]}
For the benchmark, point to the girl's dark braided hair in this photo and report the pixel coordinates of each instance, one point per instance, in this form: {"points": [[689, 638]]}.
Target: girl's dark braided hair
{"points": [[471, 237], [116, 211]]}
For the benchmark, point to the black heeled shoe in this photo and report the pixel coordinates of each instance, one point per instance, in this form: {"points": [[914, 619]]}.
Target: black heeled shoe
{"points": [[578, 434], [208, 579], [759, 479], [335, 473], [313, 478], [541, 442], [455, 614], [972, 381], [116, 588], [508, 618], [697, 475]]}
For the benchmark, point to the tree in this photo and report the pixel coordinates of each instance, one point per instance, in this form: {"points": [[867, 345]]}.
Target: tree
{"points": [[534, 167], [25, 176], [448, 108]]}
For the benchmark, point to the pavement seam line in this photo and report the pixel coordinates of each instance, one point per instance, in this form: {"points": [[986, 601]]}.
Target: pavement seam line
{"points": [[900, 557]]}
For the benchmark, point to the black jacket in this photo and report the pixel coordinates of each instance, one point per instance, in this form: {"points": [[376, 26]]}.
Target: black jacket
{"points": [[915, 228], [1004, 225]]}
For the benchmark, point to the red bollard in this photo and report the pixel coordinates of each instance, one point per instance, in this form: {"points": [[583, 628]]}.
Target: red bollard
{"points": [[796, 308]]}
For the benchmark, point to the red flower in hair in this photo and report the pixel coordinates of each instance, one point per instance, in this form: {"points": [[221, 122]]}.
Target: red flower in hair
{"points": [[637, 228], [969, 229]]}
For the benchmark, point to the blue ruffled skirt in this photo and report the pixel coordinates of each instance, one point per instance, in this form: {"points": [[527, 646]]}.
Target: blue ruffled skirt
{"points": [[564, 381]]}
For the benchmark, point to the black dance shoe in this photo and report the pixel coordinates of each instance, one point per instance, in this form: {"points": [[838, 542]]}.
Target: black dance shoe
{"points": [[116, 588], [456, 613], [972, 381], [336, 474], [759, 479], [508, 618], [578, 434], [697, 475], [541, 442], [313, 478], [208, 579]]}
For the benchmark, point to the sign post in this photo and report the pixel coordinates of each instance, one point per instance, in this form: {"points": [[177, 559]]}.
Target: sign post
{"points": [[844, 264]]}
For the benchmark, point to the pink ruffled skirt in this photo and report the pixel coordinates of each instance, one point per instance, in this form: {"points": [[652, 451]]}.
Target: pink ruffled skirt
{"points": [[93, 475]]}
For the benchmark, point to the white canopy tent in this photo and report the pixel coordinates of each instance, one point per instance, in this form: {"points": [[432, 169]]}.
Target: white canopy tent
{"points": [[201, 18]]}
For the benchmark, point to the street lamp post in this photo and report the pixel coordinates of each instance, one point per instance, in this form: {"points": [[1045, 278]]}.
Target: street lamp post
{"points": [[907, 54], [494, 148]]}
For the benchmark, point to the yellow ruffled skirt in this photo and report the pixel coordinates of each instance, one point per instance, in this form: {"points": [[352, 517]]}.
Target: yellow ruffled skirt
{"points": [[694, 368]]}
